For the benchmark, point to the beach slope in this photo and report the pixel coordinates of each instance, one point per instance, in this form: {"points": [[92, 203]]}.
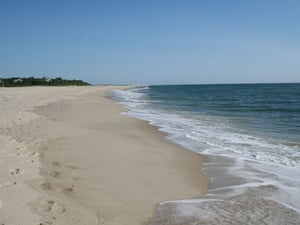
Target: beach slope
{"points": [[69, 157]]}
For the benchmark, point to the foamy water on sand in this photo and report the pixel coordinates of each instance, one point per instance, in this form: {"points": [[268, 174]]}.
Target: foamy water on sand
{"points": [[250, 134]]}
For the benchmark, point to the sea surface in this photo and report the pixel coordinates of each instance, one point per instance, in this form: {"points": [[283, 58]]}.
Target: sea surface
{"points": [[250, 134]]}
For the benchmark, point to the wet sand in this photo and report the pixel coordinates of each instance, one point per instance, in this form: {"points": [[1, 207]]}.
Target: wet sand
{"points": [[69, 157]]}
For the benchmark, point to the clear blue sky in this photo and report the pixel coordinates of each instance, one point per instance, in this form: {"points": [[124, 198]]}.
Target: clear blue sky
{"points": [[152, 41]]}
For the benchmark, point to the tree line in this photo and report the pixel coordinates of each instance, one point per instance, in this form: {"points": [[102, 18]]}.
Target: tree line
{"points": [[44, 81]]}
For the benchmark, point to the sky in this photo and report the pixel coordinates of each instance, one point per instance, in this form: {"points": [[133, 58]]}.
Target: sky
{"points": [[152, 41]]}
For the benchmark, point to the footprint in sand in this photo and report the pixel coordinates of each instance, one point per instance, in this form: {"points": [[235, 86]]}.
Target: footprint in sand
{"points": [[7, 185], [68, 190], [55, 173], [56, 163], [28, 161], [16, 171], [52, 206], [49, 205], [46, 186], [33, 153]]}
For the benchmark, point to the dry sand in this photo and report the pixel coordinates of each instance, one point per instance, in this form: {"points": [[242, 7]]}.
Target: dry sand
{"points": [[67, 156]]}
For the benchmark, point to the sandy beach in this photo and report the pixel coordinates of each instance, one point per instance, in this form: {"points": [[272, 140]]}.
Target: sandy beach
{"points": [[68, 156]]}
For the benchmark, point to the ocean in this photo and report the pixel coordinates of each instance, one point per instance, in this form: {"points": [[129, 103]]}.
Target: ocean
{"points": [[250, 135]]}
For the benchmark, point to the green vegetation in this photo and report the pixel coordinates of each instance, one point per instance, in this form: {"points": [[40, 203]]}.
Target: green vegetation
{"points": [[44, 81]]}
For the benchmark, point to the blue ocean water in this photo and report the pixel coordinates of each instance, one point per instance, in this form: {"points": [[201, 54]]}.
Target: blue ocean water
{"points": [[250, 134]]}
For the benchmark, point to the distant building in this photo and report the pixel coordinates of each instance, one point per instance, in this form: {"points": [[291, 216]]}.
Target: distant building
{"points": [[18, 81], [47, 79]]}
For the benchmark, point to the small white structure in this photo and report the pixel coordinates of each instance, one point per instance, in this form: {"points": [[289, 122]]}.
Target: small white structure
{"points": [[18, 81], [47, 79]]}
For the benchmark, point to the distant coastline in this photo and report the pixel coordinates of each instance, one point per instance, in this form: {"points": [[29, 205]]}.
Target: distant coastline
{"points": [[36, 81]]}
